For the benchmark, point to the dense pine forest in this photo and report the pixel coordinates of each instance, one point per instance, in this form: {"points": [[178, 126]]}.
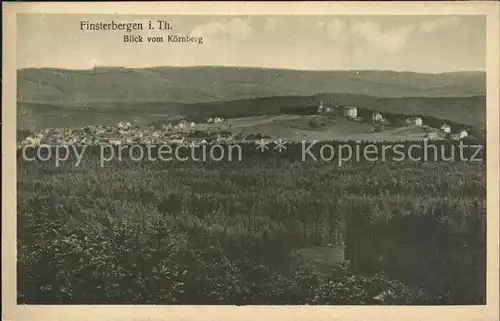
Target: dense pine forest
{"points": [[188, 232]]}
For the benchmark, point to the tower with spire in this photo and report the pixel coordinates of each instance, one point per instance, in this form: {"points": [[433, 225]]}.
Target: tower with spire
{"points": [[320, 107]]}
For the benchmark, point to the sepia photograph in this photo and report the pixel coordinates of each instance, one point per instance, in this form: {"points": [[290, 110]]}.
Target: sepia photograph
{"points": [[237, 157]]}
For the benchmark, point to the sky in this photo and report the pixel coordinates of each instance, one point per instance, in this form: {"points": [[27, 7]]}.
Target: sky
{"points": [[429, 44]]}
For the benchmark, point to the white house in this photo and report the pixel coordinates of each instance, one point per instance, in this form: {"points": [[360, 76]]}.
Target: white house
{"points": [[100, 131], [432, 135], [446, 128], [377, 117], [218, 120], [416, 121], [166, 126], [463, 134], [32, 140], [351, 112], [124, 125], [192, 124], [210, 120]]}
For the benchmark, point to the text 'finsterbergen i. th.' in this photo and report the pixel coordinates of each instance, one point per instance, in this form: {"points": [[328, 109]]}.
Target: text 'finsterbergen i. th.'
{"points": [[134, 29]]}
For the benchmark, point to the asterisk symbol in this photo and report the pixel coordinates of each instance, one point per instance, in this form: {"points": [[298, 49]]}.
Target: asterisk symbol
{"points": [[262, 145], [280, 145]]}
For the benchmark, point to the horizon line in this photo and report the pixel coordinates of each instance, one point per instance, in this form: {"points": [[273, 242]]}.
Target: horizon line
{"points": [[251, 67]]}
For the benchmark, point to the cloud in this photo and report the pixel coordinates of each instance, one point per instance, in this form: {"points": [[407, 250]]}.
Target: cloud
{"points": [[367, 33], [332, 28], [236, 27], [335, 27], [272, 24], [448, 22], [383, 40]]}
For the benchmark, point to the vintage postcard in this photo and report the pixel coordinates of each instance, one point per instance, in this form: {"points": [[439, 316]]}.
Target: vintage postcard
{"points": [[227, 160]]}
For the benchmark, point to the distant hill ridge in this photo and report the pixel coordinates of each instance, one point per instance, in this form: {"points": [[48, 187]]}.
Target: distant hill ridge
{"points": [[469, 111], [211, 84]]}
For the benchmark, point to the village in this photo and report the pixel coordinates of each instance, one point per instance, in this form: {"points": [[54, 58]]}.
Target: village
{"points": [[378, 121], [126, 133], [184, 131]]}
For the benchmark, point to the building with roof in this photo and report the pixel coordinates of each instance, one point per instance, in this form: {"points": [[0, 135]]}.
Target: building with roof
{"points": [[351, 112], [377, 117]]}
